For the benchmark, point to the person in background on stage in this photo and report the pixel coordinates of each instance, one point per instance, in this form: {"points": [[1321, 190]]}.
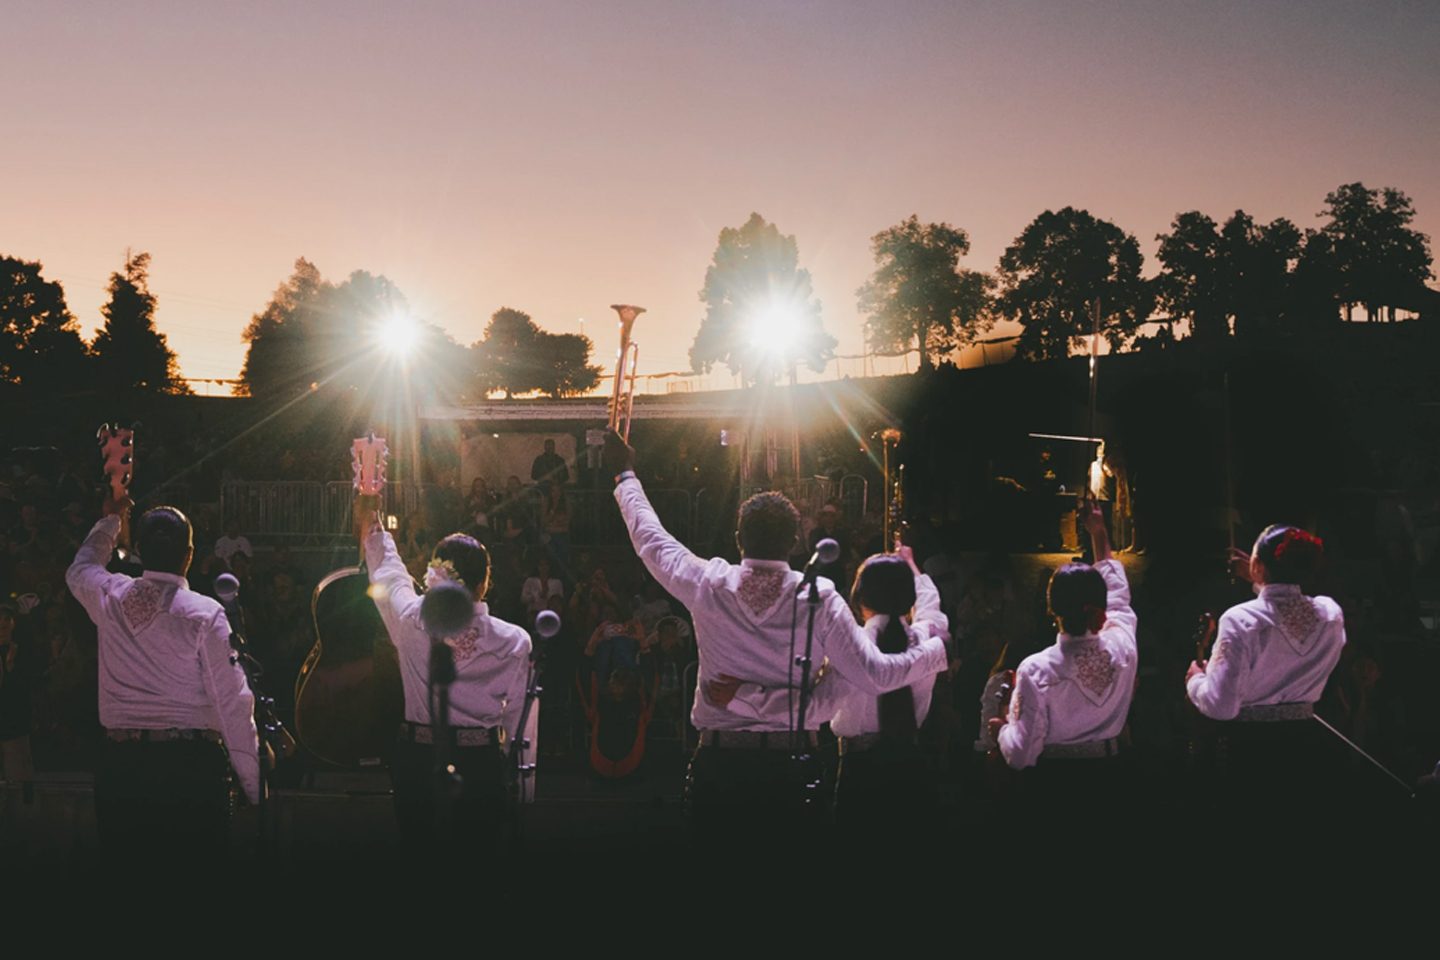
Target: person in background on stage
{"points": [[1271, 659], [549, 466], [172, 701], [742, 787], [1071, 700], [491, 660]]}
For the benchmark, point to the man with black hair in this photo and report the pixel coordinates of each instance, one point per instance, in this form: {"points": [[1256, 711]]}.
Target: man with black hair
{"points": [[172, 701], [491, 660], [741, 784], [1071, 699]]}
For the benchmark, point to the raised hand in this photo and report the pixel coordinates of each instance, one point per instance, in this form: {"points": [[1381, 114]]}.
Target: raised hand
{"points": [[720, 691], [617, 455]]}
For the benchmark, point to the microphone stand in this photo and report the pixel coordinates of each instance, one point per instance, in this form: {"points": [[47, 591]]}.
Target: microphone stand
{"points": [[800, 748], [275, 740], [447, 778]]}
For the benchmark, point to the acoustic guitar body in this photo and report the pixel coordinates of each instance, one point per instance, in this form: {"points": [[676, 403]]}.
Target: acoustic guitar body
{"points": [[348, 698]]}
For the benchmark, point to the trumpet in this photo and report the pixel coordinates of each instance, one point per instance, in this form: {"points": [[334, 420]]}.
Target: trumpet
{"points": [[622, 396], [894, 519]]}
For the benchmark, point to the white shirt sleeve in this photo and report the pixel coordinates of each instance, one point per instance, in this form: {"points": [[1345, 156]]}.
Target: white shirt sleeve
{"points": [[515, 686], [1118, 613], [673, 566], [1216, 692], [225, 684], [928, 618], [1023, 736], [398, 599], [87, 577], [856, 658]]}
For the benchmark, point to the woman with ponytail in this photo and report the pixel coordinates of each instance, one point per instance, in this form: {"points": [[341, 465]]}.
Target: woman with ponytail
{"points": [[882, 773], [1271, 659]]}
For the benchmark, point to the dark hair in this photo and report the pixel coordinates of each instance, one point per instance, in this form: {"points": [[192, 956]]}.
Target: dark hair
{"points": [[768, 526], [885, 584], [1290, 555], [469, 558], [163, 539], [1077, 592]]}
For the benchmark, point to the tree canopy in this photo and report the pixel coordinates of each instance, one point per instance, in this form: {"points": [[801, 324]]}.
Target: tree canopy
{"points": [[761, 318], [1369, 248], [1058, 268], [40, 342], [516, 356], [130, 353], [920, 295]]}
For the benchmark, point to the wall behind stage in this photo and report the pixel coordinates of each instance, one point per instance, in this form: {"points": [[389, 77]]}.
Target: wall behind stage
{"points": [[509, 455]]}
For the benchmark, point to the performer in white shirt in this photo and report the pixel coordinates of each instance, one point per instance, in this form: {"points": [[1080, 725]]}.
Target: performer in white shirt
{"points": [[884, 782], [741, 783], [1271, 659], [491, 666], [1071, 699], [172, 700]]}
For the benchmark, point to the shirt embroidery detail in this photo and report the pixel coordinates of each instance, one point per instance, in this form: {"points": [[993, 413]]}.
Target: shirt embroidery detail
{"points": [[141, 603], [761, 589], [1094, 668], [1297, 619]]}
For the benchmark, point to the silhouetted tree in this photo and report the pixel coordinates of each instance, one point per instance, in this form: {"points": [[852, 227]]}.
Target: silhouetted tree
{"points": [[920, 295], [130, 353], [317, 335], [1255, 266], [518, 357], [1376, 258], [1188, 286], [1057, 268], [40, 343], [760, 319]]}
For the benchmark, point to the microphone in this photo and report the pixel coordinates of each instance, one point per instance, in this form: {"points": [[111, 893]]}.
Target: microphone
{"points": [[227, 588], [547, 623], [446, 610], [827, 551]]}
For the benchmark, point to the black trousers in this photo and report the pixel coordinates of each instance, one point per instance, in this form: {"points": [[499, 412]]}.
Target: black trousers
{"points": [[168, 800], [885, 792], [481, 812], [753, 799]]}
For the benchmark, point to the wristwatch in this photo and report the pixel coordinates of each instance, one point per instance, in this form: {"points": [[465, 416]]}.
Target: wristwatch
{"points": [[624, 475]]}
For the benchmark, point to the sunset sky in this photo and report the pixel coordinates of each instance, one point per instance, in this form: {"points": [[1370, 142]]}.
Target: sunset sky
{"points": [[558, 157]]}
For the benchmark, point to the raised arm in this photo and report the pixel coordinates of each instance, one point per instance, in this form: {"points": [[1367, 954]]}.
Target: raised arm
{"points": [[860, 663], [394, 593], [225, 684], [87, 577], [927, 616], [672, 565]]}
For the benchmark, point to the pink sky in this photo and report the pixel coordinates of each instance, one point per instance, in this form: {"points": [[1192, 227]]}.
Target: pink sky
{"points": [[560, 157]]}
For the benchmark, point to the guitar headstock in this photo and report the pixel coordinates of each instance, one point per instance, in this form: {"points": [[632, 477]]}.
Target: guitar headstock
{"points": [[368, 455], [117, 454]]}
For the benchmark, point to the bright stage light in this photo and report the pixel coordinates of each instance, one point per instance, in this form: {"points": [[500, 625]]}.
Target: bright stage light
{"points": [[398, 334], [775, 329]]}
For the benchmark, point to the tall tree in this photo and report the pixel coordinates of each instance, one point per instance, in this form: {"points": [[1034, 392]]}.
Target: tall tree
{"points": [[278, 358], [1256, 261], [518, 357], [1188, 286], [1058, 268], [130, 353], [40, 343], [920, 295], [1377, 259], [760, 316]]}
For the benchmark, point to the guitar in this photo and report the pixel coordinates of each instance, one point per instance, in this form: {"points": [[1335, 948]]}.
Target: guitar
{"points": [[348, 697], [117, 458]]}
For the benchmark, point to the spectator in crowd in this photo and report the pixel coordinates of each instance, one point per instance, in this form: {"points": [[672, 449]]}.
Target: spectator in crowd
{"points": [[232, 541], [827, 527], [539, 589], [651, 606], [18, 676], [479, 504], [555, 524], [615, 643], [549, 467]]}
